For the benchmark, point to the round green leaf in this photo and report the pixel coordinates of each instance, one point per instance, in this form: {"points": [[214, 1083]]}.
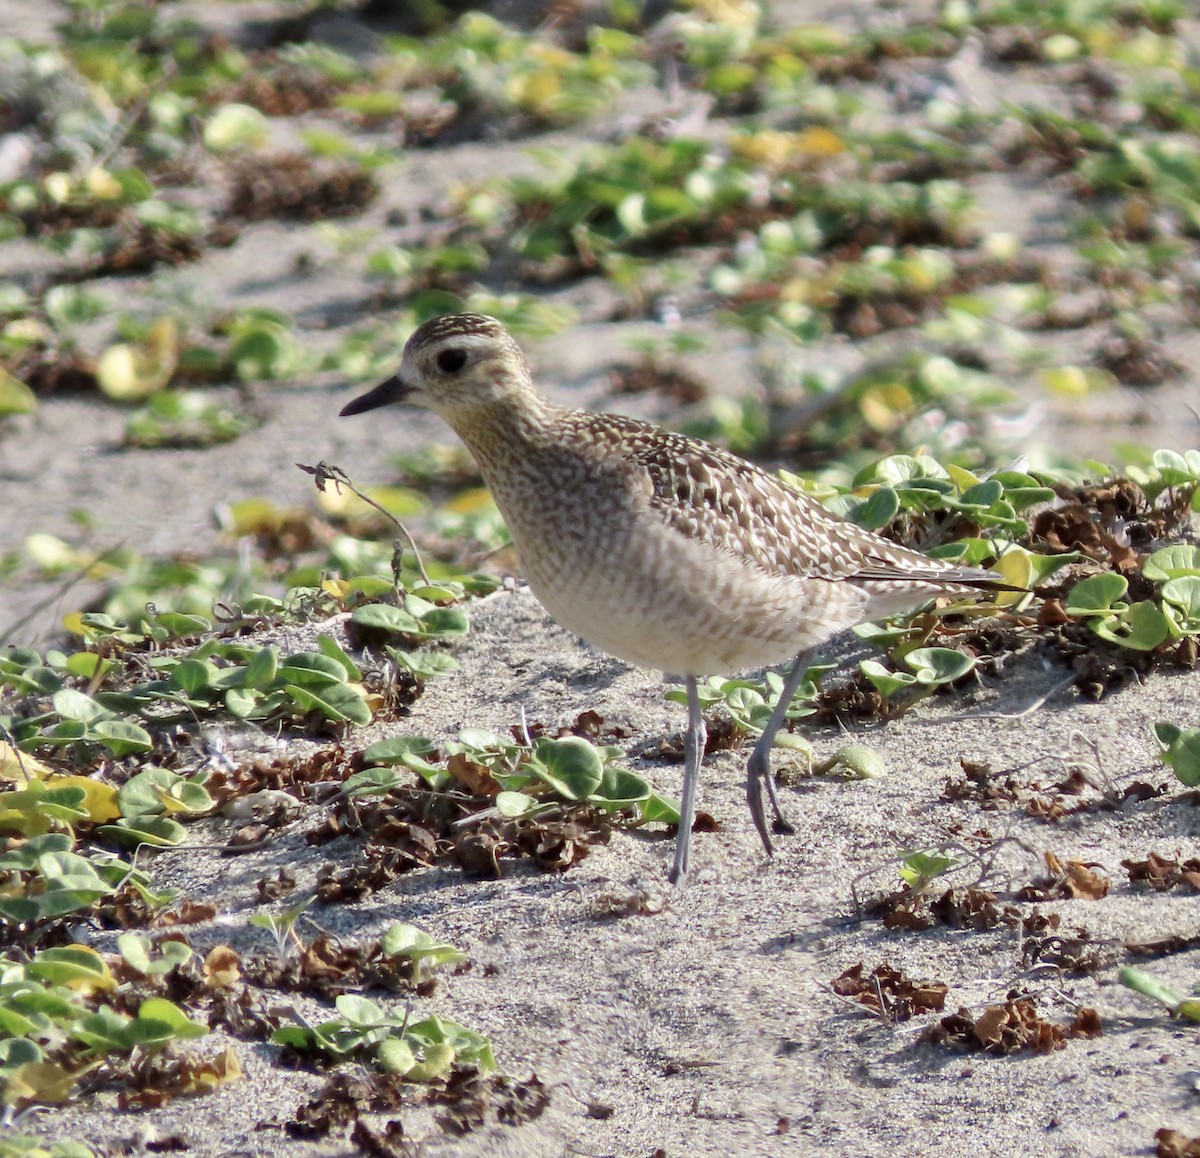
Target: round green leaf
{"points": [[879, 510], [385, 617], [121, 738], [1141, 627], [311, 669], [338, 702], [513, 804], [1172, 562], [192, 676], [1096, 594], [571, 766], [939, 665], [618, 788], [160, 831]]}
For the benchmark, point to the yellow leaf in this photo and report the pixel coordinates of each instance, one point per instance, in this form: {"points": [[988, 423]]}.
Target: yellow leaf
{"points": [[17, 768], [15, 396], [133, 370], [1017, 569], [49, 553], [817, 142], [102, 185], [252, 516], [961, 477], [438, 1060], [28, 822], [470, 501], [43, 1082], [883, 406], [73, 622], [58, 187], [398, 501], [99, 800]]}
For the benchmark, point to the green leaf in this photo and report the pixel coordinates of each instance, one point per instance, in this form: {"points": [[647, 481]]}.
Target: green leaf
{"points": [[182, 626], [136, 951], [121, 738], [235, 126], [1096, 595], [337, 702], [360, 1011], [260, 672], [371, 782], [659, 809], [1181, 752], [885, 681], [15, 396], [445, 623], [328, 646], [192, 676], [423, 664], [74, 705], [939, 665], [571, 766], [311, 669], [403, 940], [860, 762], [514, 804], [1181, 603], [159, 831], [385, 617], [395, 1056], [1172, 562], [75, 966], [396, 749], [618, 788], [919, 868], [1141, 627], [1177, 469], [1148, 986], [243, 702], [160, 1021], [879, 510]]}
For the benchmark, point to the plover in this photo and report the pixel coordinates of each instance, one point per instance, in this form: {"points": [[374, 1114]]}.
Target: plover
{"points": [[659, 549]]}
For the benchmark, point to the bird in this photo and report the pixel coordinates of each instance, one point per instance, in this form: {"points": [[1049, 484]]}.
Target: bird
{"points": [[662, 550]]}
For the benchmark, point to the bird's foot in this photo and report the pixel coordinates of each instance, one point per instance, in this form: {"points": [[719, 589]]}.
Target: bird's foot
{"points": [[760, 783]]}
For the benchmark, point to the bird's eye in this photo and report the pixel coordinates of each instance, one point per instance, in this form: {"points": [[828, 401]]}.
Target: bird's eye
{"points": [[451, 361]]}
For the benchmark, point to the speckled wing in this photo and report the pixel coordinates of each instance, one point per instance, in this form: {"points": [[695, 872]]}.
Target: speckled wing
{"points": [[717, 498]]}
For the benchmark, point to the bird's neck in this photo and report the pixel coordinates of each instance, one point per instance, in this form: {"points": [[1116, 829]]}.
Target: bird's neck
{"points": [[502, 434]]}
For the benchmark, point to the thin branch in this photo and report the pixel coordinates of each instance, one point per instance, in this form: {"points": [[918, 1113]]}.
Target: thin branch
{"points": [[324, 473]]}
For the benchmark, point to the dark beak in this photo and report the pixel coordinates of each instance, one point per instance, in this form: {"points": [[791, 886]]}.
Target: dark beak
{"points": [[393, 390]]}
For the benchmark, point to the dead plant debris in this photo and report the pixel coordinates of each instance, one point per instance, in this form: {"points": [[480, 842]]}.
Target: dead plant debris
{"points": [[1075, 880], [327, 967], [293, 185], [468, 1101], [1172, 1144], [1161, 873], [1011, 1028], [888, 992]]}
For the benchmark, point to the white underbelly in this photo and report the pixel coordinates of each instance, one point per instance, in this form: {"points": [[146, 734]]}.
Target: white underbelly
{"points": [[684, 610]]}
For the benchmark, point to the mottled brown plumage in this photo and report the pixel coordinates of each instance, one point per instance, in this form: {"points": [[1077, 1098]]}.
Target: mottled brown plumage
{"points": [[660, 549]]}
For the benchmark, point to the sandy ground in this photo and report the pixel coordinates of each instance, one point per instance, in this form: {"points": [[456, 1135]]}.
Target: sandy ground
{"points": [[709, 1026]]}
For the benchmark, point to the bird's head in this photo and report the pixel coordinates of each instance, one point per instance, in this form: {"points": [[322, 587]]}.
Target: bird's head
{"points": [[456, 366]]}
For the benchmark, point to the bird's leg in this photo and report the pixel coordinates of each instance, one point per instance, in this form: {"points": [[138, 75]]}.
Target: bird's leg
{"points": [[758, 767], [693, 754]]}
